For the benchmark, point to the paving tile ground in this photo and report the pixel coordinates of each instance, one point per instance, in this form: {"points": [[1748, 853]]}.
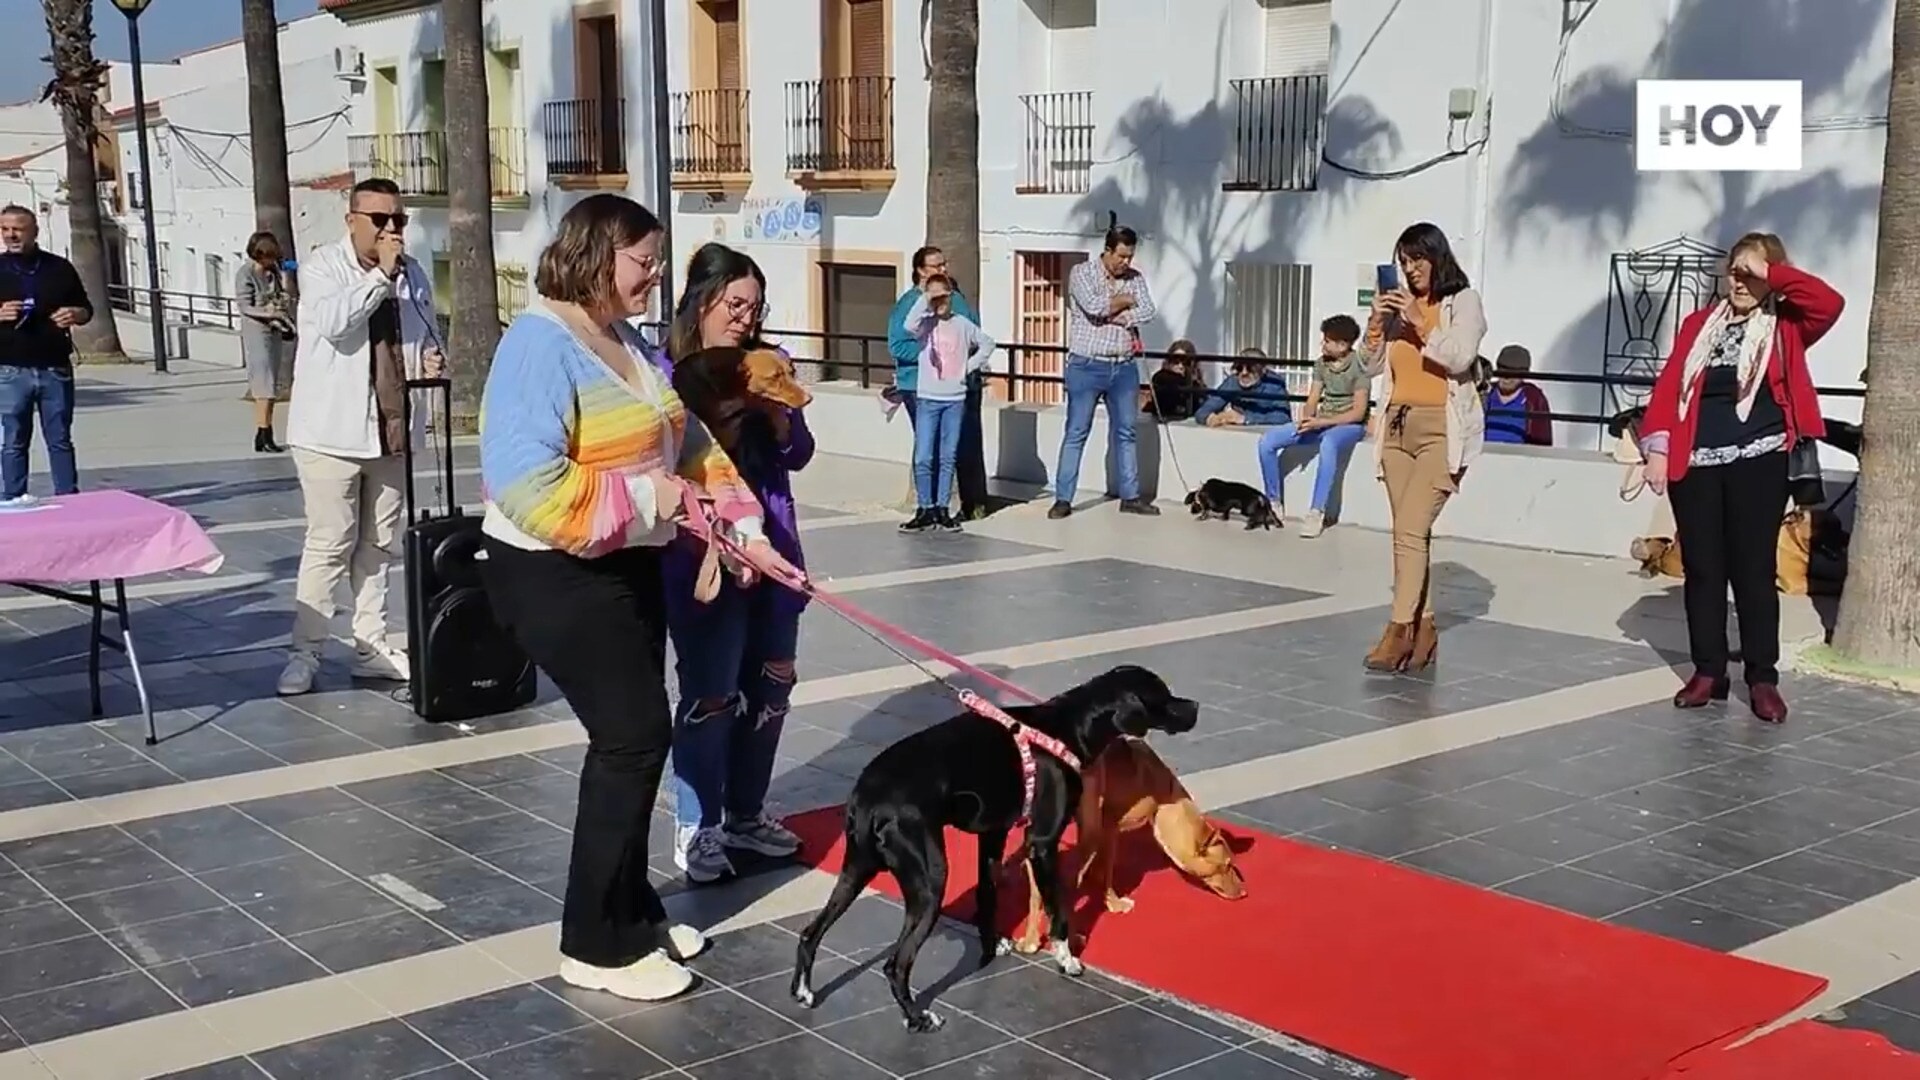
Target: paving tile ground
{"points": [[1707, 828]]}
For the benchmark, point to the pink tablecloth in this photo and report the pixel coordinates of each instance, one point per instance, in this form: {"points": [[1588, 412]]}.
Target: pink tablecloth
{"points": [[98, 536]]}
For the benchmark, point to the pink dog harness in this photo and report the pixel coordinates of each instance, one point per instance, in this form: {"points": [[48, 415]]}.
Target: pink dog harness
{"points": [[1024, 740]]}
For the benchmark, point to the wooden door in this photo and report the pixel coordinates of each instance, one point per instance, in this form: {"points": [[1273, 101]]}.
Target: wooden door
{"points": [[1040, 318]]}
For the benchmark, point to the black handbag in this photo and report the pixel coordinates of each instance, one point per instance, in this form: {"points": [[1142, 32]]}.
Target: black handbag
{"points": [[1805, 484]]}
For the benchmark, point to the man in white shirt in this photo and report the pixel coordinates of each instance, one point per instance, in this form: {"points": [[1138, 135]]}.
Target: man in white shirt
{"points": [[366, 324]]}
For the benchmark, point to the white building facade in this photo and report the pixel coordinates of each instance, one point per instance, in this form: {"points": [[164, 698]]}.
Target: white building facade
{"points": [[201, 160], [1268, 152]]}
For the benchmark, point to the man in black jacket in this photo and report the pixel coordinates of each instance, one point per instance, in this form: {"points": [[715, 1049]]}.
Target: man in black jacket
{"points": [[41, 301]]}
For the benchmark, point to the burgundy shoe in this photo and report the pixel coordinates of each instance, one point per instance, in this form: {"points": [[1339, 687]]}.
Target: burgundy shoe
{"points": [[1701, 690], [1766, 702]]}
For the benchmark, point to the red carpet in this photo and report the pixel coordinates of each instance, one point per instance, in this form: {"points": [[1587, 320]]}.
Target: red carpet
{"points": [[1804, 1051], [1410, 972]]}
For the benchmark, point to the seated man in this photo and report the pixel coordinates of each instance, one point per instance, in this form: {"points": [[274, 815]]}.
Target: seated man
{"points": [[1250, 396], [1516, 408], [1334, 417]]}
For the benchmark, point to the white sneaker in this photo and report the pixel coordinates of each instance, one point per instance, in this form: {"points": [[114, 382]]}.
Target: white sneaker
{"points": [[1312, 525], [701, 854], [762, 835], [381, 661], [684, 942], [297, 676], [653, 977]]}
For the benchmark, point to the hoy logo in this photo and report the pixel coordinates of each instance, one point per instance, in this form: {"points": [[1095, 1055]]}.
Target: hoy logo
{"points": [[1712, 125]]}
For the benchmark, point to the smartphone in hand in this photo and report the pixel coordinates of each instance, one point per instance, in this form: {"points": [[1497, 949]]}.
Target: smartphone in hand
{"points": [[1386, 277]]}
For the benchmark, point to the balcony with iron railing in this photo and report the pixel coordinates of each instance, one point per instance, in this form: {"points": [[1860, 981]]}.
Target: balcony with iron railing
{"points": [[585, 140], [417, 161], [712, 148], [1057, 156], [1279, 133], [840, 132]]}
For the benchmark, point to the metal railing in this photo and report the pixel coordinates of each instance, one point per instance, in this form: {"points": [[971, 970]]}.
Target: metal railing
{"points": [[417, 160], [1058, 158], [585, 136], [1279, 133], [711, 133], [179, 308], [840, 125]]}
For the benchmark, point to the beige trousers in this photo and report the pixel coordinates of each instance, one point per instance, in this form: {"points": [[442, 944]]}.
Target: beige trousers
{"points": [[353, 508], [1413, 463]]}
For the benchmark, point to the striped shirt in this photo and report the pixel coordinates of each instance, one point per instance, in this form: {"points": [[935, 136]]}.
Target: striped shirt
{"points": [[566, 447], [1091, 331]]}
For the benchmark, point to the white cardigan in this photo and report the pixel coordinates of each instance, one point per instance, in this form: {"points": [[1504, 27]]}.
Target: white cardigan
{"points": [[1455, 346], [333, 410]]}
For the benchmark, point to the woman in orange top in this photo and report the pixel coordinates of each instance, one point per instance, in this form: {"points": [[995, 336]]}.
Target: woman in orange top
{"points": [[1424, 337]]}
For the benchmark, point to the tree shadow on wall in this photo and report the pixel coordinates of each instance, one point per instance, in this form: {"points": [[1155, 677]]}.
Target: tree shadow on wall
{"points": [[1575, 175], [1183, 209]]}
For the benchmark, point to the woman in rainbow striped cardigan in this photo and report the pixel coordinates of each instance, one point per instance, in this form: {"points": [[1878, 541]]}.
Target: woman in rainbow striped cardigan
{"points": [[586, 454]]}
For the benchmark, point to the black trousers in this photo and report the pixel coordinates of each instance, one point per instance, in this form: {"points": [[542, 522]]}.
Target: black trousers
{"points": [[597, 627], [1727, 519], [971, 467]]}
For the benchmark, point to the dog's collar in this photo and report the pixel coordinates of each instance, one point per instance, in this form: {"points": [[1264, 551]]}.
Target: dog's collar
{"points": [[1024, 740]]}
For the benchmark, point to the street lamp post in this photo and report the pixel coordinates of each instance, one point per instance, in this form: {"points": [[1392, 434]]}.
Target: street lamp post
{"points": [[132, 10]]}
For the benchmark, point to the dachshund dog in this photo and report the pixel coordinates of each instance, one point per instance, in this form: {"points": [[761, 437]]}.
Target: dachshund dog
{"points": [[1220, 498], [967, 773], [1128, 788], [727, 387]]}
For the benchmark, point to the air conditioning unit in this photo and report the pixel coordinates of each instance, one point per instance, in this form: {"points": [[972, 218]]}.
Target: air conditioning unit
{"points": [[349, 63]]}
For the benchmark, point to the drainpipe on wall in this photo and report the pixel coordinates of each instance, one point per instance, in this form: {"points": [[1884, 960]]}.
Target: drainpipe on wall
{"points": [[1480, 189]]}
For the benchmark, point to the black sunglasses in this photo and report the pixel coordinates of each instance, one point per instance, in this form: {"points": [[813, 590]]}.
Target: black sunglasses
{"points": [[381, 220]]}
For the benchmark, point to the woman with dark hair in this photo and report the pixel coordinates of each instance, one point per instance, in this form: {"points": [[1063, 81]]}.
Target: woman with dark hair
{"points": [[266, 334], [1177, 389], [586, 456], [1733, 400], [735, 655], [1424, 339]]}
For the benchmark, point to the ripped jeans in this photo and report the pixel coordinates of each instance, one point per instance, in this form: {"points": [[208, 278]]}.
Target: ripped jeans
{"points": [[734, 659]]}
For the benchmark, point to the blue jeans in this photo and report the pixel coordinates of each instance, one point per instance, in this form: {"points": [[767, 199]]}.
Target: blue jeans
{"points": [[936, 449], [1334, 442], [1089, 382], [23, 392], [739, 648]]}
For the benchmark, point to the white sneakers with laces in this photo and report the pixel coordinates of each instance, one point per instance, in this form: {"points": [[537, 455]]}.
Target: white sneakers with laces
{"points": [[1312, 525], [370, 661], [701, 854], [297, 676], [657, 976]]}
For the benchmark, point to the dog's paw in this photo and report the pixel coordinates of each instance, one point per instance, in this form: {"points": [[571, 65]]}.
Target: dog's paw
{"points": [[925, 1022], [1069, 963], [1026, 946], [1119, 905], [803, 994]]}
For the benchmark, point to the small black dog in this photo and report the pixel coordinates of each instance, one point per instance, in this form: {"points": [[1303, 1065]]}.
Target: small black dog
{"points": [[966, 772], [1223, 497]]}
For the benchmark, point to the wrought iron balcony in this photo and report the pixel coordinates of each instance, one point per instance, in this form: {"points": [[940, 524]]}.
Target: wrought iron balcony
{"points": [[417, 161], [585, 136], [1279, 133], [842, 125], [1058, 157], [710, 137]]}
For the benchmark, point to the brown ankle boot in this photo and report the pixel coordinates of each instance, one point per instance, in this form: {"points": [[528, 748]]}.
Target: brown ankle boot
{"points": [[1396, 644], [1426, 644]]}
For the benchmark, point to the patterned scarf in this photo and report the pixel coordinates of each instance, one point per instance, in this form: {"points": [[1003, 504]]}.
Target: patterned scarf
{"points": [[1756, 349]]}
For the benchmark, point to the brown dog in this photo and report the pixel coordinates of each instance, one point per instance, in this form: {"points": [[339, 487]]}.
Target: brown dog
{"points": [[770, 377], [1127, 788]]}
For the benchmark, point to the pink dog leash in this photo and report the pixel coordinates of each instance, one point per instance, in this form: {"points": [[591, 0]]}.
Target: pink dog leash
{"points": [[905, 644]]}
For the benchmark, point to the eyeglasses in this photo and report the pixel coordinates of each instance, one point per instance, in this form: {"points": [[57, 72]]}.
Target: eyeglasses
{"points": [[381, 220], [739, 307], [646, 263]]}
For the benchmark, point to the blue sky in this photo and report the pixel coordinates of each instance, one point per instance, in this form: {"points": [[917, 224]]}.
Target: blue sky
{"points": [[168, 28]]}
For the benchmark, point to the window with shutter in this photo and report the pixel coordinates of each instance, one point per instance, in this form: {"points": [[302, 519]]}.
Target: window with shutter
{"points": [[1299, 37], [867, 37], [726, 44]]}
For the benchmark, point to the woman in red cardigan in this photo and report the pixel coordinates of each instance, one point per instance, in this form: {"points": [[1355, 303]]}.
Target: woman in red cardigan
{"points": [[1733, 398]]}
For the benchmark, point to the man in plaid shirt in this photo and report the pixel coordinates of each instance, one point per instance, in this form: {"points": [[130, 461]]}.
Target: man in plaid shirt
{"points": [[1107, 304]]}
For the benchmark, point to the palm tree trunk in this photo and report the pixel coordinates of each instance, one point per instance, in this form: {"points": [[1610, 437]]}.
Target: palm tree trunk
{"points": [[1879, 623], [953, 138], [953, 187], [75, 90], [267, 123], [475, 318]]}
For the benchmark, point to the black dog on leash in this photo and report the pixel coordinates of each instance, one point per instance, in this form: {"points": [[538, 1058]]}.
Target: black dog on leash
{"points": [[966, 772], [1220, 498]]}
